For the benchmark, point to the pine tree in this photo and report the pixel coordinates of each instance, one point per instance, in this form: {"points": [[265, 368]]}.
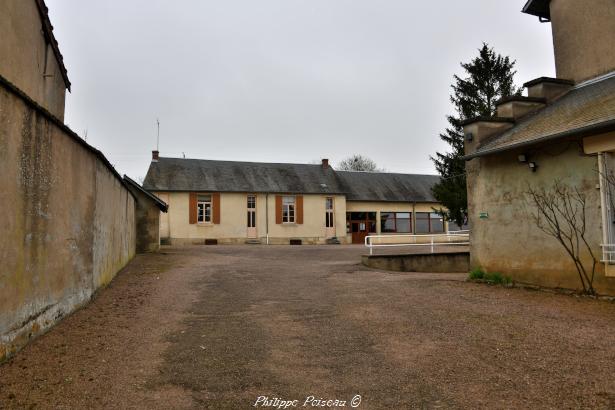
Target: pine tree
{"points": [[490, 76]]}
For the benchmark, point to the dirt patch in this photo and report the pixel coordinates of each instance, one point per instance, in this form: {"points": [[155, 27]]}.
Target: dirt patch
{"points": [[219, 326]]}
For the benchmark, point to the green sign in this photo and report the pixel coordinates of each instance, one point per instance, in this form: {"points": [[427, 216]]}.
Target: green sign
{"points": [[484, 215]]}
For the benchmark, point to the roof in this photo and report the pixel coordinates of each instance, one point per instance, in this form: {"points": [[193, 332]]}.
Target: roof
{"points": [[159, 202], [178, 174], [587, 109], [196, 175], [387, 187], [538, 8], [48, 30]]}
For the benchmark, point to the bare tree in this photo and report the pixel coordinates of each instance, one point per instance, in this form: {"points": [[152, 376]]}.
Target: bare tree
{"points": [[358, 163], [560, 212]]}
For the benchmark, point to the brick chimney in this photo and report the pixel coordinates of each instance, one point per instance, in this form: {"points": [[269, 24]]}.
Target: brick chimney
{"points": [[325, 163], [155, 156]]}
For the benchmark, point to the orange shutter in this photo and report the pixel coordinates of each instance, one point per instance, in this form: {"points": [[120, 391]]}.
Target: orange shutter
{"points": [[192, 208], [299, 209], [215, 204], [278, 209]]}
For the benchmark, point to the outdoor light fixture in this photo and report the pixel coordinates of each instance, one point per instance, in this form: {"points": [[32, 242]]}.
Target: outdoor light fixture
{"points": [[469, 137], [522, 158], [533, 166]]}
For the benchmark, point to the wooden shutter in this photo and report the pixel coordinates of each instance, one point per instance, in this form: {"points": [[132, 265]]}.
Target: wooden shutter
{"points": [[299, 216], [278, 209], [192, 208], [215, 204]]}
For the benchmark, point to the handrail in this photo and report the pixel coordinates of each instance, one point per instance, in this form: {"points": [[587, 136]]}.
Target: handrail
{"points": [[433, 240]]}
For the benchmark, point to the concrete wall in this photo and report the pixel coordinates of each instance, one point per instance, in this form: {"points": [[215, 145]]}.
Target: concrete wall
{"points": [[583, 33], [67, 222], [147, 216], [508, 241], [27, 60], [233, 220], [453, 262]]}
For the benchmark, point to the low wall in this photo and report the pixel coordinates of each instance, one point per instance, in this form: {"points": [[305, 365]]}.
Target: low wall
{"points": [[67, 222], [449, 262]]}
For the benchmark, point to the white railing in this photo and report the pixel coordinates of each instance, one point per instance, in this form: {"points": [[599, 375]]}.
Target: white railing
{"points": [[454, 238], [608, 253]]}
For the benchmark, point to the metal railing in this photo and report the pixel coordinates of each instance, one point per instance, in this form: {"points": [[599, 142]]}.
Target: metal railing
{"points": [[453, 238], [608, 253]]}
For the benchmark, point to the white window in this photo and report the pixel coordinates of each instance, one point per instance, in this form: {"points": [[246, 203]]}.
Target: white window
{"points": [[288, 209], [203, 209], [251, 211], [329, 222], [607, 194]]}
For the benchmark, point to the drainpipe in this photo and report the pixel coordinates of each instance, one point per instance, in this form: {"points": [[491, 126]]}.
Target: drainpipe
{"points": [[267, 216], [413, 221], [604, 198]]}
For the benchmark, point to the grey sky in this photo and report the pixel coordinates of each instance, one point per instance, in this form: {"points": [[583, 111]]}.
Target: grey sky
{"points": [[279, 80]]}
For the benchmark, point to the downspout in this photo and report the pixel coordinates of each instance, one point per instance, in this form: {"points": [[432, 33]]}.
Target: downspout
{"points": [[604, 198], [413, 227], [267, 217]]}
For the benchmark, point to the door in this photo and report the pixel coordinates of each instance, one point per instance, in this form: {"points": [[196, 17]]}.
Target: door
{"points": [[361, 224], [252, 233]]}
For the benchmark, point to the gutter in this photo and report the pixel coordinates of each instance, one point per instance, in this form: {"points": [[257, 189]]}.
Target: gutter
{"points": [[586, 131]]}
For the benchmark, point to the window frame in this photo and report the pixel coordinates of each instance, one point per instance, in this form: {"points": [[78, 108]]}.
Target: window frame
{"points": [[289, 210], [395, 219], [329, 212], [430, 217], [251, 210], [202, 216]]}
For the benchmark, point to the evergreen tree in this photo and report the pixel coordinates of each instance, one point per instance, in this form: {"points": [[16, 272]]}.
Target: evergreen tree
{"points": [[490, 76]]}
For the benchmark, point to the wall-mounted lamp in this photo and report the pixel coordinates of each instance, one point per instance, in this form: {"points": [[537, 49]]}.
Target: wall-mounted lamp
{"points": [[522, 158], [533, 166], [469, 137]]}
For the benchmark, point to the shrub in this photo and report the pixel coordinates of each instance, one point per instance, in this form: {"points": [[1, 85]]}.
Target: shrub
{"points": [[477, 274], [493, 278]]}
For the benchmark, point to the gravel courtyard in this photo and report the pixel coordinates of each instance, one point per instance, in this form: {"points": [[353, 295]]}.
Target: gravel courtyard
{"points": [[220, 326]]}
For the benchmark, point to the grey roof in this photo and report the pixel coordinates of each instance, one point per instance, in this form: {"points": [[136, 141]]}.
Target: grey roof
{"points": [[587, 109], [178, 174], [157, 201], [380, 186], [195, 175], [538, 8]]}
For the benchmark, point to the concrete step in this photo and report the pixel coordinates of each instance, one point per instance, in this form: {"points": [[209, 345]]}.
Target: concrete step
{"points": [[253, 242], [333, 241]]}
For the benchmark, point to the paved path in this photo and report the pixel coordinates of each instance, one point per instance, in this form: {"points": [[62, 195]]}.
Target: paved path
{"points": [[218, 327]]}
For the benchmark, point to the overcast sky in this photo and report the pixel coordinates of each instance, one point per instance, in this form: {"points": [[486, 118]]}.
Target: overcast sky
{"points": [[279, 80]]}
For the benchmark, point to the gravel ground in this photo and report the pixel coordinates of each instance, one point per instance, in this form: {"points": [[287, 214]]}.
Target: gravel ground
{"points": [[220, 326]]}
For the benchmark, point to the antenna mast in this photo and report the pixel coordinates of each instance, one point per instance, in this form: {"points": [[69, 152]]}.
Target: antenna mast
{"points": [[158, 135]]}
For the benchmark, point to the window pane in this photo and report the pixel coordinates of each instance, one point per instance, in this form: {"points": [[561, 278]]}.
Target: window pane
{"points": [[387, 222], [288, 200], [403, 225], [437, 223], [403, 215], [204, 198], [251, 202], [329, 203], [422, 225]]}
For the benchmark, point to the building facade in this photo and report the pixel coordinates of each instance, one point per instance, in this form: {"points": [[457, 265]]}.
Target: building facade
{"points": [[239, 202], [562, 132]]}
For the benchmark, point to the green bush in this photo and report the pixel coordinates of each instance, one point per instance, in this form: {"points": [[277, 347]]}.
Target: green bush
{"points": [[477, 274], [494, 277]]}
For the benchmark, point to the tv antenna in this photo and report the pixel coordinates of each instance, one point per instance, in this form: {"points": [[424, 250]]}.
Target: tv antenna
{"points": [[158, 135]]}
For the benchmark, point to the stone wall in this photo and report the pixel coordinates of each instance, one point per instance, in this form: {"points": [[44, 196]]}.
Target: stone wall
{"points": [[68, 221]]}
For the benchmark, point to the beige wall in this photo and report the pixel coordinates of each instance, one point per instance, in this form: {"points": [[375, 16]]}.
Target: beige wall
{"points": [[583, 33], [24, 50], [233, 220], [66, 227], [508, 241]]}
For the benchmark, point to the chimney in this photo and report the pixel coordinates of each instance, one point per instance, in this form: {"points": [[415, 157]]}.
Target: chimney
{"points": [[548, 88], [155, 156], [477, 130], [325, 163], [517, 107]]}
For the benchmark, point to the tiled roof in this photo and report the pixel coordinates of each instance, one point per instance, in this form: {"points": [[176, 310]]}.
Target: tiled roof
{"points": [[380, 186], [178, 174], [585, 109]]}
